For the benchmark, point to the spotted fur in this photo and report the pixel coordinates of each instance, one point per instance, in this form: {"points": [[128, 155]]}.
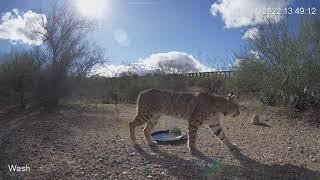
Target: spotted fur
{"points": [[197, 109]]}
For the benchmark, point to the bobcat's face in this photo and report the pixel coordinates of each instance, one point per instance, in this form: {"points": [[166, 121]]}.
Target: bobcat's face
{"points": [[233, 109], [232, 106]]}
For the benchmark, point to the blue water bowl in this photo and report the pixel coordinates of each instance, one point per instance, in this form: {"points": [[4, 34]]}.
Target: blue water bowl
{"points": [[169, 137]]}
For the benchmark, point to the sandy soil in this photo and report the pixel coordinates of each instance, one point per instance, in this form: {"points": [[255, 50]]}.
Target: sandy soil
{"points": [[91, 142]]}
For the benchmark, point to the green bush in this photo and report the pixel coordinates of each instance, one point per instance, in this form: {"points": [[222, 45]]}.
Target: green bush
{"points": [[17, 74], [287, 68], [212, 85], [127, 88]]}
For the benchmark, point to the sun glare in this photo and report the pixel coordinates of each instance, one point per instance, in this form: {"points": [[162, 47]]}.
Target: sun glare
{"points": [[92, 8]]}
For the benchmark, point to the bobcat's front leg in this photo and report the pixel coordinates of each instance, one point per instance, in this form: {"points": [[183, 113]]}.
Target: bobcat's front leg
{"points": [[217, 130], [192, 136], [147, 133]]}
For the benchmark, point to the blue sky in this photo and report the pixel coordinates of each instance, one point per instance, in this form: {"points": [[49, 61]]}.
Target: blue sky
{"points": [[134, 30], [169, 26]]}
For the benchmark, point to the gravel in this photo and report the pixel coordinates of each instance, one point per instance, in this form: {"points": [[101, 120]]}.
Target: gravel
{"points": [[93, 144]]}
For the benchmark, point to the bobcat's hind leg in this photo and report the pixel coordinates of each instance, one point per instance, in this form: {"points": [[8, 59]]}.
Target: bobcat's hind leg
{"points": [[147, 132], [137, 121]]}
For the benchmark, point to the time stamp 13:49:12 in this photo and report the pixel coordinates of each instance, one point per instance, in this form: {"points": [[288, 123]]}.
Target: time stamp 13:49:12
{"points": [[288, 11]]}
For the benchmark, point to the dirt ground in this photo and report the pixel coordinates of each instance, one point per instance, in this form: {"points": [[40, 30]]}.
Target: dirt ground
{"points": [[91, 142]]}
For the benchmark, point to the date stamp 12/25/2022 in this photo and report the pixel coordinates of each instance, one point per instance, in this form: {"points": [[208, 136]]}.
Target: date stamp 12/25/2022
{"points": [[282, 11]]}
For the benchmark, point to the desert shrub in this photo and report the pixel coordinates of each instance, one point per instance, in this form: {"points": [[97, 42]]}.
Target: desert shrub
{"points": [[68, 51], [285, 66], [17, 74], [127, 88], [45, 73], [249, 75], [212, 85]]}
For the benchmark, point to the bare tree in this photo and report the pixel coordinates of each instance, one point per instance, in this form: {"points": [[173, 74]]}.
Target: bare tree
{"points": [[66, 46]]}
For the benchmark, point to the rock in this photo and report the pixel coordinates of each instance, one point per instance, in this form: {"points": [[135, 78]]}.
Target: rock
{"points": [[289, 148], [124, 172], [132, 154], [149, 176], [116, 162], [255, 119]]}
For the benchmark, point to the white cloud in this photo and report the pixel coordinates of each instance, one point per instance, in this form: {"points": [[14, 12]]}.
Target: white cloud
{"points": [[239, 13], [6, 16], [256, 54], [121, 37], [251, 33], [111, 70], [174, 61], [17, 26]]}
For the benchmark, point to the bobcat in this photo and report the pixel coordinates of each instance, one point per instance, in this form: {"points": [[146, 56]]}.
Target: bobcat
{"points": [[198, 109]]}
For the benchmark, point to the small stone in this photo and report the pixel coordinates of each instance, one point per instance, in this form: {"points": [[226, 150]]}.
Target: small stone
{"points": [[116, 161], [255, 119], [289, 148], [124, 172], [149, 176], [313, 159], [132, 154]]}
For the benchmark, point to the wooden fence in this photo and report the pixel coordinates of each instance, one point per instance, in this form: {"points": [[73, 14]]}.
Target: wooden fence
{"points": [[190, 75], [209, 74]]}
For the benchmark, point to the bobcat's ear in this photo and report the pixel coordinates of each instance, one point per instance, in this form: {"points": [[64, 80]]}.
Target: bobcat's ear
{"points": [[230, 96]]}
